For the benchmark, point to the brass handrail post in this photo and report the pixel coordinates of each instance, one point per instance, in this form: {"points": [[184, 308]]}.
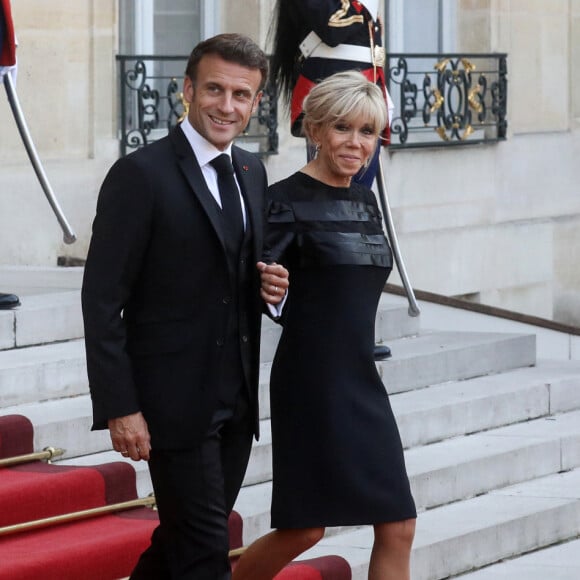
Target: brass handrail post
{"points": [[75, 516]]}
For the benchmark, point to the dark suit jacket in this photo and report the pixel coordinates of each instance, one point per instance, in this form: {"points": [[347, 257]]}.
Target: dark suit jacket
{"points": [[157, 293]]}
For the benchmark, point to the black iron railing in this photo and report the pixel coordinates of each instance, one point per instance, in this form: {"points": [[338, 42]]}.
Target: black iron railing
{"points": [[440, 100], [447, 99], [152, 103]]}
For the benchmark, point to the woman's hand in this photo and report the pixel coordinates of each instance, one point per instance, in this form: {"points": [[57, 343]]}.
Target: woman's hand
{"points": [[274, 282]]}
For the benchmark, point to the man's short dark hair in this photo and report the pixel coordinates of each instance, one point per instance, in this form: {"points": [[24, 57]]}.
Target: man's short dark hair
{"points": [[231, 47]]}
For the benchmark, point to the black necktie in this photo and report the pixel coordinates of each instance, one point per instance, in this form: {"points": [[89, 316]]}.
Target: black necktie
{"points": [[230, 197]]}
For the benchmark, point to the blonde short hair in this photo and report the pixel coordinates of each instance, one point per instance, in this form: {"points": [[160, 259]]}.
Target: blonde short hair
{"points": [[344, 95]]}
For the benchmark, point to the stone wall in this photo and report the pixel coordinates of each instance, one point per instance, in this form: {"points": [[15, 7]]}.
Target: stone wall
{"points": [[66, 87], [496, 223]]}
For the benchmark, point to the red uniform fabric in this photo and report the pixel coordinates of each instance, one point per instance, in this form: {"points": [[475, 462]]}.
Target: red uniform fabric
{"points": [[7, 38]]}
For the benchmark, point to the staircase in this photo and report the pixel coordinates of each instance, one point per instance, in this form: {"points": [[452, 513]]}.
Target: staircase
{"points": [[491, 432]]}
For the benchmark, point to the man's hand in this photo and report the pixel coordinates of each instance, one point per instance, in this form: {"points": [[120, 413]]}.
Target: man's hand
{"points": [[130, 436], [274, 282]]}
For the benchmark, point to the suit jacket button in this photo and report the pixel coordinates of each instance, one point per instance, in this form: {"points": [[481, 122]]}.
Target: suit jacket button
{"points": [[226, 299], [220, 342], [245, 338]]}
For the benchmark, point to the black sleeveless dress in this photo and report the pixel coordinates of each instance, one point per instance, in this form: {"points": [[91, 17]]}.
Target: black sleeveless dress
{"points": [[337, 453]]}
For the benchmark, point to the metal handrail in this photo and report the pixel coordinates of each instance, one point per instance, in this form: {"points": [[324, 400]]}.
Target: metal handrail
{"points": [[69, 236], [47, 454], [75, 516], [413, 309]]}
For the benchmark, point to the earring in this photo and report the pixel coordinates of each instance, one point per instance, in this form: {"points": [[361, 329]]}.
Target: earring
{"points": [[317, 149]]}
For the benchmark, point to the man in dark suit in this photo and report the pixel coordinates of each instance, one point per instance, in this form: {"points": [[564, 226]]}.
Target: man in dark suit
{"points": [[172, 304]]}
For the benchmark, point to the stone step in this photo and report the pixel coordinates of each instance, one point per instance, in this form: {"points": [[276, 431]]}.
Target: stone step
{"points": [[50, 305], [468, 466], [424, 416], [393, 320], [463, 407], [435, 357], [463, 467], [34, 280], [42, 319], [39, 373], [559, 562], [7, 329], [470, 534]]}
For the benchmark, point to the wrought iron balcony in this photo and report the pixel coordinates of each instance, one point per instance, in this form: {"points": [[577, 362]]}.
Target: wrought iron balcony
{"points": [[447, 99], [152, 103], [440, 100]]}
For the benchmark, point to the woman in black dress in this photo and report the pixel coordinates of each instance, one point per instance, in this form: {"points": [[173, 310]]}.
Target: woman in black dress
{"points": [[337, 453]]}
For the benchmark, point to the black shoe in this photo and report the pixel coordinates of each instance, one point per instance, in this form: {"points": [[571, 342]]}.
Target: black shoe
{"points": [[8, 301], [382, 351]]}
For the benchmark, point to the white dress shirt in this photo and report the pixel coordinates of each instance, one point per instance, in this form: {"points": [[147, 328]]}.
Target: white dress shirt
{"points": [[205, 152]]}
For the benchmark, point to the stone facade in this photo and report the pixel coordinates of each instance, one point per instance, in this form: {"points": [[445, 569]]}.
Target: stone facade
{"points": [[499, 224]]}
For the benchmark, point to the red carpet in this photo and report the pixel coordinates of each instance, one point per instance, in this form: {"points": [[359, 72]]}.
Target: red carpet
{"points": [[38, 490], [16, 436], [101, 548], [324, 568]]}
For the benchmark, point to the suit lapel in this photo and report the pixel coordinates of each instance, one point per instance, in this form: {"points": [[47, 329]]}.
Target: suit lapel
{"points": [[247, 181], [244, 174], [192, 171]]}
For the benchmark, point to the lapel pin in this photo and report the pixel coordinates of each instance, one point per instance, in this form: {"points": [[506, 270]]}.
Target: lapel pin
{"points": [[245, 167]]}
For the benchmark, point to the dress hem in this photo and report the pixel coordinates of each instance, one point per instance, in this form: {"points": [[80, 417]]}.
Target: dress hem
{"points": [[342, 522]]}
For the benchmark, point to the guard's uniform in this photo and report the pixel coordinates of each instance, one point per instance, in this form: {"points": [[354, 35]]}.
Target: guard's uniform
{"points": [[339, 35]]}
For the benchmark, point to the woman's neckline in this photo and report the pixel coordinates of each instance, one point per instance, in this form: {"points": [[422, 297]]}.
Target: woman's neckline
{"points": [[312, 175]]}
